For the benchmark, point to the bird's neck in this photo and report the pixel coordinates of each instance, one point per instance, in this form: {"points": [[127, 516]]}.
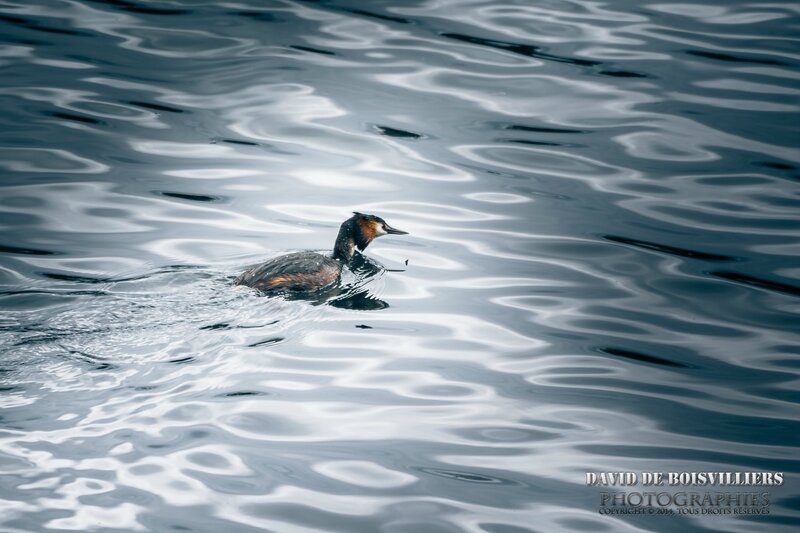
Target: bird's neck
{"points": [[344, 250], [350, 237]]}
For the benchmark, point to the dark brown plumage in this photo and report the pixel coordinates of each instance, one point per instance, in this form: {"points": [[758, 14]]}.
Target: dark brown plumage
{"points": [[311, 271]]}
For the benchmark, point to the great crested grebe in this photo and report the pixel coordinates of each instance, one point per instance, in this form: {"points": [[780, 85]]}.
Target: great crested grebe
{"points": [[311, 271]]}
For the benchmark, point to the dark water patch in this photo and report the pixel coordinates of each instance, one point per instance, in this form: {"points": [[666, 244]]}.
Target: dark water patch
{"points": [[640, 357], [81, 353], [737, 58], [61, 31], [266, 342], [238, 394], [783, 395], [142, 9], [227, 326], [788, 348], [40, 338], [672, 323], [787, 171], [156, 107], [91, 59], [774, 164], [138, 277], [608, 325], [646, 188], [527, 50], [179, 268], [679, 418], [89, 279], [182, 360], [190, 197], [622, 74], [75, 118], [38, 26], [539, 129], [395, 132], [361, 300], [789, 503], [240, 142], [733, 181], [154, 11], [671, 250], [312, 50], [534, 143], [6, 249], [19, 21], [778, 201], [379, 16], [126, 160], [52, 293], [214, 327], [72, 278], [261, 16], [25, 42], [753, 281], [266, 146], [469, 477]]}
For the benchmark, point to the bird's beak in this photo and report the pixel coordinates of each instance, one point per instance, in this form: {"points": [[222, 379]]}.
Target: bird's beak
{"points": [[392, 231]]}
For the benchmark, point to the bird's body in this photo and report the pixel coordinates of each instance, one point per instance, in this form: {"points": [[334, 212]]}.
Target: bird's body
{"points": [[300, 271], [303, 272]]}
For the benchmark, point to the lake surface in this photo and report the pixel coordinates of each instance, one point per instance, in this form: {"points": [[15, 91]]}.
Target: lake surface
{"points": [[601, 272]]}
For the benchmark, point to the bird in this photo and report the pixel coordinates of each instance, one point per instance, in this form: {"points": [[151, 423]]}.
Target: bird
{"points": [[308, 272]]}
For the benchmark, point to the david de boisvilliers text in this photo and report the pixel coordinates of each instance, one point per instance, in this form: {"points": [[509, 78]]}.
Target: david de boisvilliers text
{"points": [[683, 502], [697, 479]]}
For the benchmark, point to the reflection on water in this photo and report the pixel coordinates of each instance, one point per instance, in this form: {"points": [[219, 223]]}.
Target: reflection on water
{"points": [[601, 273]]}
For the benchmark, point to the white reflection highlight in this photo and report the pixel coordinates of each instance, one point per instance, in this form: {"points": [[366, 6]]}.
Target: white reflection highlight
{"points": [[215, 174], [48, 160], [90, 517], [364, 474]]}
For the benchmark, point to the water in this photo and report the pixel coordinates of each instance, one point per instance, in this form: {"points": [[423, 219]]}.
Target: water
{"points": [[602, 269]]}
